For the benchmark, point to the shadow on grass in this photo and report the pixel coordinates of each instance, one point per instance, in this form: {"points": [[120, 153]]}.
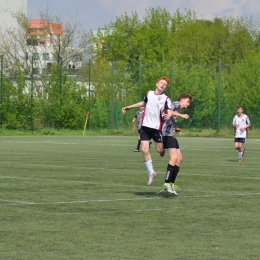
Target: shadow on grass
{"points": [[154, 194], [232, 161]]}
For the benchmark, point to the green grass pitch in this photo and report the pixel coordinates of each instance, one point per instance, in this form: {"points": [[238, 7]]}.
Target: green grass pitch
{"points": [[85, 197]]}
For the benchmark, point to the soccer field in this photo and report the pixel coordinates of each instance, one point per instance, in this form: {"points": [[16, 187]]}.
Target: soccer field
{"points": [[85, 197]]}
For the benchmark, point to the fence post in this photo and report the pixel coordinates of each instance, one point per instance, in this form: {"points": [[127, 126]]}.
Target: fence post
{"points": [[112, 98], [60, 91], [116, 115], [2, 85], [89, 82], [32, 123], [219, 88], [140, 80], [171, 78]]}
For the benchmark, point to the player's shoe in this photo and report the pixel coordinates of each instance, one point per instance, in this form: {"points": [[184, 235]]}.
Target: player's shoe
{"points": [[136, 150], [240, 160], [168, 187], [150, 178], [162, 153], [243, 152], [173, 189]]}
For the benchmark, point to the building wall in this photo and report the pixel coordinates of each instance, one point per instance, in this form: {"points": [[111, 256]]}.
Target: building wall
{"points": [[46, 34], [6, 9]]}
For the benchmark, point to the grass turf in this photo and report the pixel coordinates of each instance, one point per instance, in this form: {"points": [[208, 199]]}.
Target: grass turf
{"points": [[85, 197]]}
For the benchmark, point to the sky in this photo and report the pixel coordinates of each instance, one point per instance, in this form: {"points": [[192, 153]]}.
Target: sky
{"points": [[94, 14]]}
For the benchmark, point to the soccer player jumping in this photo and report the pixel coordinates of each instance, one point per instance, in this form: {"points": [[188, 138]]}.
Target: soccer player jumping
{"points": [[241, 123], [154, 102]]}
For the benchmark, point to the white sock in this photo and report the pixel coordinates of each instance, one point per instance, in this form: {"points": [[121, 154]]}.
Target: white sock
{"points": [[149, 167], [240, 155]]}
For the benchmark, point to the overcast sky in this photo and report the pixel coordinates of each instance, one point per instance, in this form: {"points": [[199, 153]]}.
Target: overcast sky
{"points": [[94, 14]]}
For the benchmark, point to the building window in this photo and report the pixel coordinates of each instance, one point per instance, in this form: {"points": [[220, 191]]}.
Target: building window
{"points": [[77, 58], [36, 56], [45, 56]]}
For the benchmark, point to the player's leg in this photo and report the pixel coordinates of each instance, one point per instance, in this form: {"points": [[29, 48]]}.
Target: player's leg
{"points": [[158, 140], [159, 148], [145, 140], [237, 147], [139, 143], [145, 150], [170, 144], [240, 149], [179, 160], [177, 165]]}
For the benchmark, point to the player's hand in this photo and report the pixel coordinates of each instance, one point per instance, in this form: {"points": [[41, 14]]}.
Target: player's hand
{"points": [[167, 116], [125, 109], [178, 130], [185, 116], [242, 128]]}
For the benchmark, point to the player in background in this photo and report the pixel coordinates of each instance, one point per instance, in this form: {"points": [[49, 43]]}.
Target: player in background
{"points": [[138, 117], [170, 142], [241, 123], [154, 102]]}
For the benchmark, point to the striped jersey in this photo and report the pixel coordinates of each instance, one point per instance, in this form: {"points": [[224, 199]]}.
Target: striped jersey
{"points": [[155, 104], [139, 116], [241, 121], [169, 125]]}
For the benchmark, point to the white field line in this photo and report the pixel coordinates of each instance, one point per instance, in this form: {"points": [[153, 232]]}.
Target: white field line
{"points": [[71, 181], [212, 148], [155, 197], [124, 185], [17, 202]]}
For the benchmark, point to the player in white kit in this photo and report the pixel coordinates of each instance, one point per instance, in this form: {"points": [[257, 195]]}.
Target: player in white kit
{"points": [[241, 123], [155, 102]]}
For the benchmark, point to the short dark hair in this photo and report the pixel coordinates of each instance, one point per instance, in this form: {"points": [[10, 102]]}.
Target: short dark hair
{"points": [[183, 96], [239, 106]]}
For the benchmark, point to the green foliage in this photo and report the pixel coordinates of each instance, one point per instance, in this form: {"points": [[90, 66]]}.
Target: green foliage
{"points": [[100, 115], [138, 52], [161, 37]]}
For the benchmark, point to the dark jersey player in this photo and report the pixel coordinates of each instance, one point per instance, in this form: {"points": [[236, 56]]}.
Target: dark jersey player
{"points": [[170, 142], [138, 117]]}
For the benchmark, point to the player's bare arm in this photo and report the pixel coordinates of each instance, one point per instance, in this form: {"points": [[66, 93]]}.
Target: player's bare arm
{"points": [[244, 127], [174, 113], [137, 105]]}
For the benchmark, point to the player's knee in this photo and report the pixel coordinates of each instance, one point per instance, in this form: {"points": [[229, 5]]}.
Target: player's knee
{"points": [[145, 151], [159, 148], [180, 158]]}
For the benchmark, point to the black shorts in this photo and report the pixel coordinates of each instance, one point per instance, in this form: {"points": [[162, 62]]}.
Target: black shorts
{"points": [[146, 134], [170, 142], [239, 140]]}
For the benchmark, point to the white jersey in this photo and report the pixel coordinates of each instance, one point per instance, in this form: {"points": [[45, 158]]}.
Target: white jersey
{"points": [[241, 121], [155, 104]]}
